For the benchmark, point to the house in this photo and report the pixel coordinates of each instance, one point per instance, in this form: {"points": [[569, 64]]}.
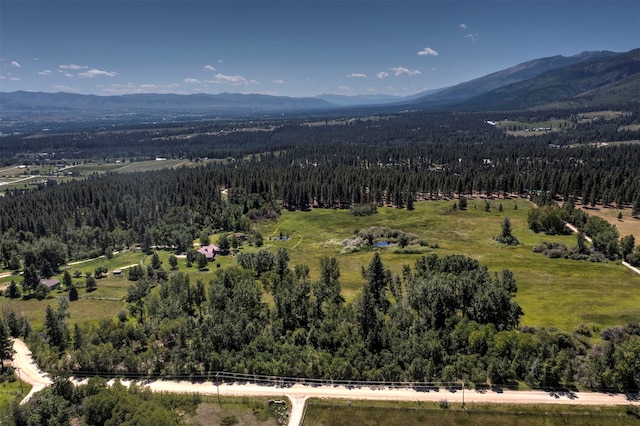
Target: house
{"points": [[51, 283], [209, 251]]}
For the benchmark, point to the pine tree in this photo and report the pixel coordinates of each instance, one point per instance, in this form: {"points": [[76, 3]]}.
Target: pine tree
{"points": [[6, 345], [505, 237]]}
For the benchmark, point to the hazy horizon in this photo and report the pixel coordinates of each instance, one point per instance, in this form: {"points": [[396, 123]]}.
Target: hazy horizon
{"points": [[297, 49]]}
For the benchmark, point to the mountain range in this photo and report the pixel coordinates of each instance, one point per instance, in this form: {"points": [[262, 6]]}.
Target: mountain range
{"points": [[598, 77]]}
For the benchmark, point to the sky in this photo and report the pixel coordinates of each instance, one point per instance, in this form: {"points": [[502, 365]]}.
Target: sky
{"points": [[295, 47]]}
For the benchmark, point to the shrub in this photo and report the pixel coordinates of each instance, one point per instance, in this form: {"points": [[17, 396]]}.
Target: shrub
{"points": [[42, 291]]}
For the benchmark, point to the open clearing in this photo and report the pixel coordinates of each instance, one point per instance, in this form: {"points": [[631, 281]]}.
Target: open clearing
{"points": [[556, 293], [628, 225], [339, 412]]}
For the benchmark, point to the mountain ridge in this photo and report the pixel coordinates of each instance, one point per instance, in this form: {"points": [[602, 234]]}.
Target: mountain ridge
{"points": [[557, 80]]}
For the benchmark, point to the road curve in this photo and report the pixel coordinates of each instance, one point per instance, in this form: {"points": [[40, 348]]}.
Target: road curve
{"points": [[27, 369], [298, 393]]}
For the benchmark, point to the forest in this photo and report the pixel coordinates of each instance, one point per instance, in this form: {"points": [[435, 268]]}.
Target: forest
{"points": [[443, 319]]}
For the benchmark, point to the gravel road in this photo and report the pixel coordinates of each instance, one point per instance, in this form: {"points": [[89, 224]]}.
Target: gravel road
{"points": [[298, 394]]}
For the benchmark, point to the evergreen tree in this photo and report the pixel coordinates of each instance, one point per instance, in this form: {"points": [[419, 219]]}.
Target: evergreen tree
{"points": [[30, 279], [156, 263], [223, 243], [505, 237], [13, 291], [6, 345], [204, 239], [73, 293], [90, 284], [67, 281], [202, 261], [377, 282], [173, 262], [462, 203]]}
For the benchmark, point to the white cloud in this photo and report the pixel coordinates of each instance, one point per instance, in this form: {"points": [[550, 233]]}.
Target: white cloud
{"points": [[356, 75], [220, 61], [398, 71], [68, 74], [427, 51], [234, 80], [346, 88], [382, 75], [45, 72], [97, 73], [463, 26], [209, 68], [278, 81], [60, 88], [472, 36], [14, 78], [15, 64], [73, 67], [191, 81]]}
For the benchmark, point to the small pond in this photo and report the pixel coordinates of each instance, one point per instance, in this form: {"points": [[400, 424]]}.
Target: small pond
{"points": [[383, 244]]}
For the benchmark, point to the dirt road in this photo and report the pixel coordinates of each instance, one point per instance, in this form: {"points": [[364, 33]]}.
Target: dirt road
{"points": [[29, 371], [298, 394], [628, 265]]}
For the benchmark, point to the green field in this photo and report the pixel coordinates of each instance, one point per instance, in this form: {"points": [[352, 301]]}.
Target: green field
{"points": [[556, 293], [552, 292], [229, 410], [335, 413]]}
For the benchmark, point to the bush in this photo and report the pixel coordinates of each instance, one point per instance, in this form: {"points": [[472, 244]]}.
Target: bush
{"points": [[42, 291], [364, 209]]}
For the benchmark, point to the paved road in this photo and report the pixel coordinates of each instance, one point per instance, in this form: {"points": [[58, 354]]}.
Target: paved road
{"points": [[298, 394]]}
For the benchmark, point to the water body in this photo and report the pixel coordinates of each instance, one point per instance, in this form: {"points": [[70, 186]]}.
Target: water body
{"points": [[383, 244]]}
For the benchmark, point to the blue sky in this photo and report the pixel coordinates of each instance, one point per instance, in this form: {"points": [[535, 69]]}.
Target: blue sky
{"points": [[292, 48]]}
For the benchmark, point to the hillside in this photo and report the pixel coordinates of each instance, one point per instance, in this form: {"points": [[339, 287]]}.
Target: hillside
{"points": [[614, 79], [521, 72]]}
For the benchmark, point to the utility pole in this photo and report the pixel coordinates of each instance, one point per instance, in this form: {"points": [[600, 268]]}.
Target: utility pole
{"points": [[20, 380], [463, 395], [218, 388]]}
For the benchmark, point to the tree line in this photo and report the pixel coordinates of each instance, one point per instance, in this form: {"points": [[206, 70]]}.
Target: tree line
{"points": [[443, 319]]}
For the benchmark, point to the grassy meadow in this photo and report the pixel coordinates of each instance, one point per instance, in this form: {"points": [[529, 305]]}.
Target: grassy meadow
{"points": [[552, 292], [336, 412]]}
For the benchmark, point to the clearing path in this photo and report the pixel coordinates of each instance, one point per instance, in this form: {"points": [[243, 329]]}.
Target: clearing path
{"points": [[586, 237], [298, 393]]}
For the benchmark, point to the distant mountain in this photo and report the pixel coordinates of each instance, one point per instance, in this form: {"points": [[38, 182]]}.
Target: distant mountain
{"points": [[597, 81], [521, 72], [359, 100], [61, 103], [592, 78]]}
